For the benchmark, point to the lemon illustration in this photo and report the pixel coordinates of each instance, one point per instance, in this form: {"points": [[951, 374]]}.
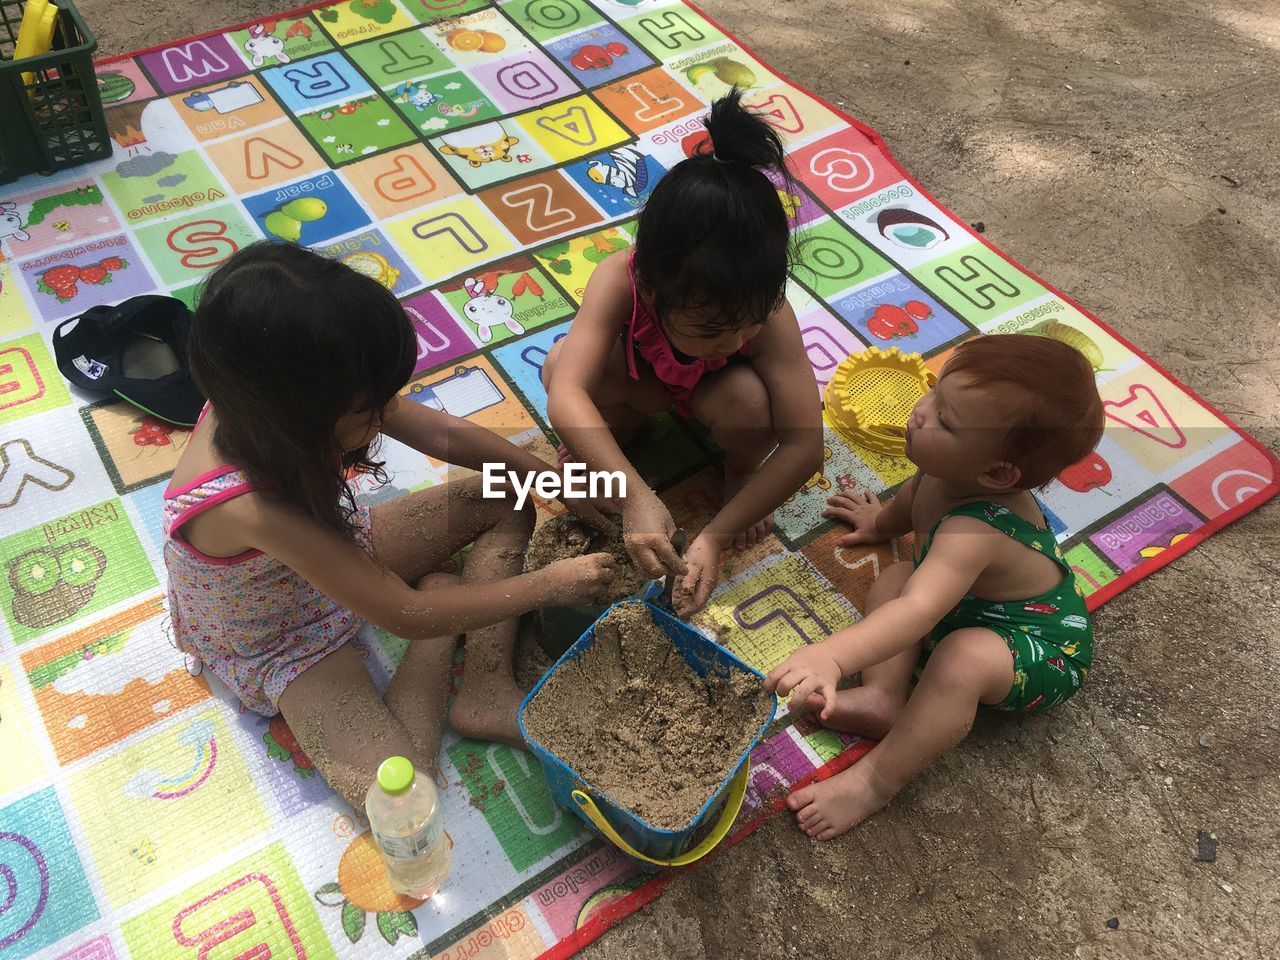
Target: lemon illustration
{"points": [[373, 265]]}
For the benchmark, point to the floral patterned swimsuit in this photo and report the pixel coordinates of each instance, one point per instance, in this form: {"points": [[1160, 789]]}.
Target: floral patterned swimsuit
{"points": [[254, 622]]}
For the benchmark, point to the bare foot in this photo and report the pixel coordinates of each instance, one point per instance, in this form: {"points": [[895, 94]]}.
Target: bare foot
{"points": [[831, 807], [488, 710], [734, 482], [563, 455], [866, 711]]}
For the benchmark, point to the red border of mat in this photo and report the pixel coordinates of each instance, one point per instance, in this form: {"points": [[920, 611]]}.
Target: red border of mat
{"points": [[647, 893]]}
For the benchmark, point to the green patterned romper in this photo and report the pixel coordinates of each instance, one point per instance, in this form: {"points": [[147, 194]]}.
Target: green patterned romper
{"points": [[1050, 636]]}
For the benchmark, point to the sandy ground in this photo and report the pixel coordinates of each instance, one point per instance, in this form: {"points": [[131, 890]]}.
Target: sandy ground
{"points": [[1126, 152]]}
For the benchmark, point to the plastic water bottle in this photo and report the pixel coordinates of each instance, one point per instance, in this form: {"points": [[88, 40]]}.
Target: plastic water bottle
{"points": [[404, 815]]}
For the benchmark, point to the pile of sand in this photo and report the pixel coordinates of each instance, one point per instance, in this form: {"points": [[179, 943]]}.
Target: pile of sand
{"points": [[634, 720], [566, 536]]}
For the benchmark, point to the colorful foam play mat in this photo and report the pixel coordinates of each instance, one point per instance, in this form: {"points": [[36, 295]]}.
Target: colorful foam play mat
{"points": [[449, 147]]}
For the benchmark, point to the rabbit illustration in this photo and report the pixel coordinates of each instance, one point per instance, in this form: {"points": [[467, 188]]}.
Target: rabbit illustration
{"points": [[487, 310], [11, 223], [263, 45]]}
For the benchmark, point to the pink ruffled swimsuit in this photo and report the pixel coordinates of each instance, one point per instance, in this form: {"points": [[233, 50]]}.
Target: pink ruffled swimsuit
{"points": [[250, 619], [680, 377]]}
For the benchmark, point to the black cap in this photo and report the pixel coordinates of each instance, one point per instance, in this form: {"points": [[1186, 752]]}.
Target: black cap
{"points": [[136, 350]]}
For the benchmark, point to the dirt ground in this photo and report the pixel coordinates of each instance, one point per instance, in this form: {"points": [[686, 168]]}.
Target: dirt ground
{"points": [[1126, 152]]}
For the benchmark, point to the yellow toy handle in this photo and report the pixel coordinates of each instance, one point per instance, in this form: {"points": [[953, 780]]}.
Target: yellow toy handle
{"points": [[737, 790]]}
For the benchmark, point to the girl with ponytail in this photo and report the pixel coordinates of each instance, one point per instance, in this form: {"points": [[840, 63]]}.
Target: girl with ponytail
{"points": [[695, 317]]}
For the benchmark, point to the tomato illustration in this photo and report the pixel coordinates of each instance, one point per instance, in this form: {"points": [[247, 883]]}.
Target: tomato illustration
{"points": [[889, 321], [1090, 473], [594, 57], [918, 310]]}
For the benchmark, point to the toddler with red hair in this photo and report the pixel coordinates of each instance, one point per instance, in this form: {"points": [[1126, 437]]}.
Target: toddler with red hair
{"points": [[988, 601]]}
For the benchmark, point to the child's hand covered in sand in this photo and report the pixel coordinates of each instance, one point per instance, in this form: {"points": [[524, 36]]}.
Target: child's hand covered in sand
{"points": [[647, 527], [576, 581], [695, 588], [859, 511], [808, 670]]}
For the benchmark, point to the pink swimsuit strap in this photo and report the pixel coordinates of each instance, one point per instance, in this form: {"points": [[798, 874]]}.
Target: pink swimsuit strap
{"points": [[643, 330], [185, 503]]}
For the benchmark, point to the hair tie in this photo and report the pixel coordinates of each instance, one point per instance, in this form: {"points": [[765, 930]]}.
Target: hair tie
{"points": [[718, 159]]}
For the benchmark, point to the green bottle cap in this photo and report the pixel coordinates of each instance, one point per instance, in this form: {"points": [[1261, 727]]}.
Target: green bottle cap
{"points": [[395, 775]]}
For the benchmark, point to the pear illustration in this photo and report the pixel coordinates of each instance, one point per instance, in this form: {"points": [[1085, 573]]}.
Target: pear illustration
{"points": [[305, 209], [283, 226]]}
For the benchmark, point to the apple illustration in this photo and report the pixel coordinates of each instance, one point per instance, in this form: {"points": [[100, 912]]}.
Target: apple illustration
{"points": [[1090, 473]]}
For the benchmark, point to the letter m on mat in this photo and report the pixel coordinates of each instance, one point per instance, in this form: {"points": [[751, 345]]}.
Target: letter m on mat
{"points": [[193, 61]]}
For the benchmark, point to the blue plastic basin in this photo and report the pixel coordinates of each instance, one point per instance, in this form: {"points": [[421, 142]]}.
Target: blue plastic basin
{"points": [[653, 843]]}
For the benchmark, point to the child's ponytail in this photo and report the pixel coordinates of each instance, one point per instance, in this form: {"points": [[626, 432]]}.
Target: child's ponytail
{"points": [[713, 240], [740, 136]]}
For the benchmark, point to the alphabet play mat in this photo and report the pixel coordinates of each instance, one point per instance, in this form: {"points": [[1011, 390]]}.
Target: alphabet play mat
{"points": [[460, 151]]}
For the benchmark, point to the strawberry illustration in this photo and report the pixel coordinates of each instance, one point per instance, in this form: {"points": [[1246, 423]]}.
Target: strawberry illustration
{"points": [[60, 281], [282, 745], [60, 276], [152, 433], [112, 264], [94, 275]]}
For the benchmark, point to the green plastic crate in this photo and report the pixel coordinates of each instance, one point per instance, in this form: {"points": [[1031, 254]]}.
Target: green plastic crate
{"points": [[55, 121]]}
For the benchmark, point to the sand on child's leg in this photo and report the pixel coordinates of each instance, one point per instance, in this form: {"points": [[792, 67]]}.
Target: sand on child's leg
{"points": [[624, 404], [623, 422], [734, 404], [343, 725], [488, 701], [418, 694], [969, 667], [418, 533]]}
